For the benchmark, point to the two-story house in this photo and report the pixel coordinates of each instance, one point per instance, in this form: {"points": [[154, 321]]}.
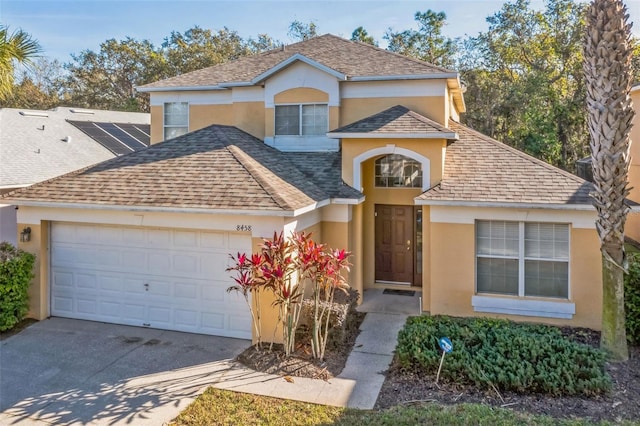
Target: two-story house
{"points": [[362, 147]]}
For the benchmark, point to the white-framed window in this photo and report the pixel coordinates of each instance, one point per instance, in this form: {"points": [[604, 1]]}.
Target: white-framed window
{"points": [[523, 259], [301, 120], [398, 171], [176, 119]]}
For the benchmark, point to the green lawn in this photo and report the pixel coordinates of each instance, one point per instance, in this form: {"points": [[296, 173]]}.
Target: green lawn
{"points": [[220, 407]]}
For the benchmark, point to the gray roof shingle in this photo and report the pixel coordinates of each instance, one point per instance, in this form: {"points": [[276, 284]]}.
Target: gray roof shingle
{"points": [[481, 169], [215, 168], [395, 120], [353, 59], [36, 145]]}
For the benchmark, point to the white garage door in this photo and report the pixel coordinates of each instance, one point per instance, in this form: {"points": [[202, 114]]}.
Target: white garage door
{"points": [[154, 277]]}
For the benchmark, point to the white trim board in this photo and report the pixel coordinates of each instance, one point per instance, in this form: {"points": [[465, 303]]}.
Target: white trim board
{"points": [[468, 215], [529, 308]]}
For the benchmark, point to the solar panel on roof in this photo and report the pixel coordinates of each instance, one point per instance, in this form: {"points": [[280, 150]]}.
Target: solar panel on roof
{"points": [[138, 131], [114, 137], [122, 136], [108, 141]]}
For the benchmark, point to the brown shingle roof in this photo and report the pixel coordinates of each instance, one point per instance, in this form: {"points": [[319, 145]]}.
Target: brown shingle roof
{"points": [[483, 170], [353, 59], [396, 120], [218, 167]]}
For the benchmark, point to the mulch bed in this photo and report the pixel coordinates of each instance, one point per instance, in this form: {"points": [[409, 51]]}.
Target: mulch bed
{"points": [[405, 388], [623, 403], [301, 363]]}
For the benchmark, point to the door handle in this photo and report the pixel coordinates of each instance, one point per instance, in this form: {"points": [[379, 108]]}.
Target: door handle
{"points": [[146, 287], [408, 245]]}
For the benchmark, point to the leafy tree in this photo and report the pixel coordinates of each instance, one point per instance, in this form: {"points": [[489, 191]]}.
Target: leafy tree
{"points": [[107, 79], [427, 43], [607, 68], [526, 85], [299, 31], [41, 86], [15, 47], [200, 48], [262, 43], [361, 35]]}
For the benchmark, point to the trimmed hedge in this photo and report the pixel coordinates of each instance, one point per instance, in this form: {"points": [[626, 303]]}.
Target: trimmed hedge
{"points": [[632, 299], [524, 358], [16, 271]]}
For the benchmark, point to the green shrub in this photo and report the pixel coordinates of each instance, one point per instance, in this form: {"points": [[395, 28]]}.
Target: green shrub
{"points": [[632, 299], [16, 271], [524, 358]]}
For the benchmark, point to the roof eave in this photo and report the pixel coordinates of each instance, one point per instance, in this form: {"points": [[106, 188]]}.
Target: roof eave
{"points": [[179, 88], [365, 135], [503, 204], [351, 201], [430, 76], [92, 206]]}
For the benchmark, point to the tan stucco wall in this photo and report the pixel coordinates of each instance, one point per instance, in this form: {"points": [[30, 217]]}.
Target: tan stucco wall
{"points": [[38, 290], [453, 276], [157, 133], [301, 95], [354, 109], [205, 115], [433, 149], [250, 116]]}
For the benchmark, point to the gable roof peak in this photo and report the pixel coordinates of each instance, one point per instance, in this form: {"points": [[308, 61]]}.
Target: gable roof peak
{"points": [[354, 60]]}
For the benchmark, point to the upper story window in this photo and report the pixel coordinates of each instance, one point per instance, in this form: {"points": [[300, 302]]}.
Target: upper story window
{"points": [[395, 170], [522, 258], [176, 119], [301, 120]]}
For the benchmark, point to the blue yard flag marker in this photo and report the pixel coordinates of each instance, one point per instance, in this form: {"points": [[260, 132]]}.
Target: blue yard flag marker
{"points": [[446, 346]]}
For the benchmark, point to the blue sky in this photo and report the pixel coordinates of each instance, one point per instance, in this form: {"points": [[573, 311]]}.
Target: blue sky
{"points": [[66, 27]]}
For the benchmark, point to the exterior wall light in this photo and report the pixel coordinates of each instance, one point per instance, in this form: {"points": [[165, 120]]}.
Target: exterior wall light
{"points": [[25, 235]]}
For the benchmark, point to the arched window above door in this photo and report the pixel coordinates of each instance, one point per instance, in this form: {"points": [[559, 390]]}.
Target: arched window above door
{"points": [[397, 171]]}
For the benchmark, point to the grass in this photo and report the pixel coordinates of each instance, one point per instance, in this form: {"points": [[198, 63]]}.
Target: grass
{"points": [[221, 407]]}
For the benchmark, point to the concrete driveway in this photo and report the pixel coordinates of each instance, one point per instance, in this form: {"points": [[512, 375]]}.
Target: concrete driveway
{"points": [[62, 371]]}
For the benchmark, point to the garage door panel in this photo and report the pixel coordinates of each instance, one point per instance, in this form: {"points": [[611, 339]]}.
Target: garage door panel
{"points": [[186, 263], [160, 262], [86, 281], [86, 306], [216, 293], [135, 260], [111, 310], [135, 237], [185, 239], [159, 238], [213, 240], [103, 278]]}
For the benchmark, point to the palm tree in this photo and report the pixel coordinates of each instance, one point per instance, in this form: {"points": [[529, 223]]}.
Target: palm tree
{"points": [[17, 46], [607, 67]]}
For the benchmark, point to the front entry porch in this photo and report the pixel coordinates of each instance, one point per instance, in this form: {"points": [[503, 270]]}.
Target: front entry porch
{"points": [[375, 300]]}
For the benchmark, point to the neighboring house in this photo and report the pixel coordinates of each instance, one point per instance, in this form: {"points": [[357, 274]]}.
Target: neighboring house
{"points": [[38, 145], [358, 145]]}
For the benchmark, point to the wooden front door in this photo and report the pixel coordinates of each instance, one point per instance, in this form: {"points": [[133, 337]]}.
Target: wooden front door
{"points": [[394, 228]]}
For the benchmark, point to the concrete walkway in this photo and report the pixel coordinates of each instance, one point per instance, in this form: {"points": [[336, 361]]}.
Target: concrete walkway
{"points": [[360, 382], [357, 386]]}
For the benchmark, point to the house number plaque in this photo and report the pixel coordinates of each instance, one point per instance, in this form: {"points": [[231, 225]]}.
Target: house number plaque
{"points": [[243, 227]]}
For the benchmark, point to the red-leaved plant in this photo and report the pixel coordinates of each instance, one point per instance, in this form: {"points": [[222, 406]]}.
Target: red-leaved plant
{"points": [[249, 283], [285, 267]]}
